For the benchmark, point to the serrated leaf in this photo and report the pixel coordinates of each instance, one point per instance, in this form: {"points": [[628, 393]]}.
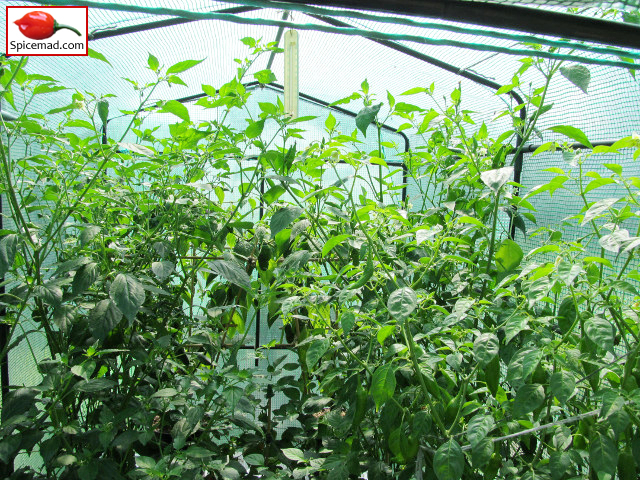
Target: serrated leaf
{"points": [[232, 272], [579, 75], [127, 293], [402, 303], [448, 461]]}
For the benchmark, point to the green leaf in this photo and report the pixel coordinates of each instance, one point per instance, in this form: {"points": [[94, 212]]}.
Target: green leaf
{"points": [[347, 321], [168, 392], [232, 395], [413, 91], [315, 352], [85, 369], [8, 249], [88, 234], [479, 427], [128, 294], [448, 461], [528, 398], [559, 462], [402, 303], [523, 364], [515, 324], [332, 242], [94, 385], [283, 218], [603, 455], [495, 179], [98, 56], [163, 269], [481, 453], [330, 122], [50, 294], [153, 63], [568, 271], [579, 75], [84, 278], [183, 66], [508, 256], [383, 384], [597, 208], [296, 260], [573, 133], [407, 108], [294, 454], [232, 272], [103, 318], [366, 116], [566, 314], [384, 333], [562, 385], [63, 316], [600, 332], [254, 129], [265, 76], [103, 111], [486, 348], [177, 108]]}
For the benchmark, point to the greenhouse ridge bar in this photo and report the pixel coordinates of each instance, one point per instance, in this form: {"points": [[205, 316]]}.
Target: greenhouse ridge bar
{"points": [[506, 16]]}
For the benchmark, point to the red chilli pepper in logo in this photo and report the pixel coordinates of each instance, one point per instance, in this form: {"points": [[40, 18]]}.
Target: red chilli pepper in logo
{"points": [[40, 25]]}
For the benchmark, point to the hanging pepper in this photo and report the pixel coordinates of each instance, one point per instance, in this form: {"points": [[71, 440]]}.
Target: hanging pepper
{"points": [[40, 25]]}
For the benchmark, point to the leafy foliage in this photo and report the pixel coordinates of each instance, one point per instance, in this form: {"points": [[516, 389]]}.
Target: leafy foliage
{"points": [[417, 340]]}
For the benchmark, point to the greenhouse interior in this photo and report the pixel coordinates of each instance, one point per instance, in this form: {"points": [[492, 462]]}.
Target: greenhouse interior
{"points": [[339, 240]]}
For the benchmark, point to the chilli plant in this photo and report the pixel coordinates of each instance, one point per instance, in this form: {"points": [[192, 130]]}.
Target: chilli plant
{"points": [[444, 335]]}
